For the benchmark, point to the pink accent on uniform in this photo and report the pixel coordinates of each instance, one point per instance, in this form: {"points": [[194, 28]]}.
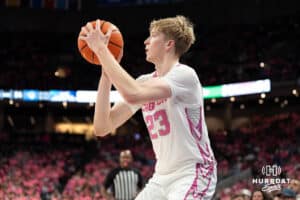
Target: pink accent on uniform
{"points": [[161, 117], [194, 190], [205, 169], [164, 123], [150, 126], [198, 127], [206, 154]]}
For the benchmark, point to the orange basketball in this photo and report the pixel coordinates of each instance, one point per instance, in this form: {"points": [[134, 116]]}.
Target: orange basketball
{"points": [[115, 44]]}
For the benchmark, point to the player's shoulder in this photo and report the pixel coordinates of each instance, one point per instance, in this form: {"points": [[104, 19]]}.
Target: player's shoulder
{"points": [[145, 77], [184, 70]]}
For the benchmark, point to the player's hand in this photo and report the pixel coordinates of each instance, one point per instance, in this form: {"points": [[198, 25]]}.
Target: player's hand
{"points": [[95, 39]]}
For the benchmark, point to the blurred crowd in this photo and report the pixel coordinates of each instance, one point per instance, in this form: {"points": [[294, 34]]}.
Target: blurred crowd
{"points": [[62, 166], [268, 140], [221, 55], [58, 166], [248, 52]]}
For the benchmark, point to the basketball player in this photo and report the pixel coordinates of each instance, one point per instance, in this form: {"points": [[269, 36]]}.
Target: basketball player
{"points": [[171, 99]]}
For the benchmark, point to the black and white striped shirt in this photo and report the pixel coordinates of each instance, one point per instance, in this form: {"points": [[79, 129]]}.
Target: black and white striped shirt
{"points": [[124, 182]]}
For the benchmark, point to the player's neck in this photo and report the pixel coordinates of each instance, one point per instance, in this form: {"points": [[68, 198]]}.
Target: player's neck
{"points": [[162, 68]]}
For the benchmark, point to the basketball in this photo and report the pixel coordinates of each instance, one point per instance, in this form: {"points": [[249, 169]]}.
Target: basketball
{"points": [[115, 44]]}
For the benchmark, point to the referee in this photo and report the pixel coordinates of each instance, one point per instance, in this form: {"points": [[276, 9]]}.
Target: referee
{"points": [[124, 182]]}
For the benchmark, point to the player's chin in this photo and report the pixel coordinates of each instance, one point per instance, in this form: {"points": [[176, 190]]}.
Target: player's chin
{"points": [[148, 58]]}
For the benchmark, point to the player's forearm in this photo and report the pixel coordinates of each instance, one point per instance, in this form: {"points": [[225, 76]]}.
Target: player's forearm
{"points": [[125, 84], [102, 124]]}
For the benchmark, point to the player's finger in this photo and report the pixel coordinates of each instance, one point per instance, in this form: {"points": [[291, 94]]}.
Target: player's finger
{"points": [[84, 31], [98, 24], [89, 27], [108, 33], [82, 38]]}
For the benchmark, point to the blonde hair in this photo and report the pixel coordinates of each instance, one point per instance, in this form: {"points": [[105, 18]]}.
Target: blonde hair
{"points": [[179, 28]]}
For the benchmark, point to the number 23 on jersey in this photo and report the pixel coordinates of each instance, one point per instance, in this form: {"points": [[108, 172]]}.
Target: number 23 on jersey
{"points": [[158, 124]]}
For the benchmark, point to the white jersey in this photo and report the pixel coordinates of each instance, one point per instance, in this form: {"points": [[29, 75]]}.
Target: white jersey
{"points": [[176, 125]]}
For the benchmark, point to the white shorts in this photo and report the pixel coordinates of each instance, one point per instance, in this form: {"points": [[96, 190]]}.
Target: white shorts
{"points": [[198, 183]]}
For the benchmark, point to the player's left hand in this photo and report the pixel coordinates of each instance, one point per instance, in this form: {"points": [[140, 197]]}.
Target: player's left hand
{"points": [[94, 37]]}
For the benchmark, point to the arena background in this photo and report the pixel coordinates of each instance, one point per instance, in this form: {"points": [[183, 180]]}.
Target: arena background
{"points": [[47, 149]]}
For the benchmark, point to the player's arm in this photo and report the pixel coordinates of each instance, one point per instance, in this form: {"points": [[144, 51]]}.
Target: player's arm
{"points": [[133, 92], [106, 119]]}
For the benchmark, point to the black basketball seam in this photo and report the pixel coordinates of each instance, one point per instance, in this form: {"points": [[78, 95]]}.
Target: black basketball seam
{"points": [[93, 56], [110, 42], [102, 25]]}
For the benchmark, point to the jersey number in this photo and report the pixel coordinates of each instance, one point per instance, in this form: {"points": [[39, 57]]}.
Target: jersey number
{"points": [[163, 123]]}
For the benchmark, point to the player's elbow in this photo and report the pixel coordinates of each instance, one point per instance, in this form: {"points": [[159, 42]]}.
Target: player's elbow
{"points": [[100, 131]]}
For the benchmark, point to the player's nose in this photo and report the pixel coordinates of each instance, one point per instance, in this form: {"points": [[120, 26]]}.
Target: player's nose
{"points": [[146, 41]]}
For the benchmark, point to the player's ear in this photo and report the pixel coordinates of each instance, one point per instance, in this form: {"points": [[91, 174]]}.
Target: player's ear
{"points": [[170, 44]]}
